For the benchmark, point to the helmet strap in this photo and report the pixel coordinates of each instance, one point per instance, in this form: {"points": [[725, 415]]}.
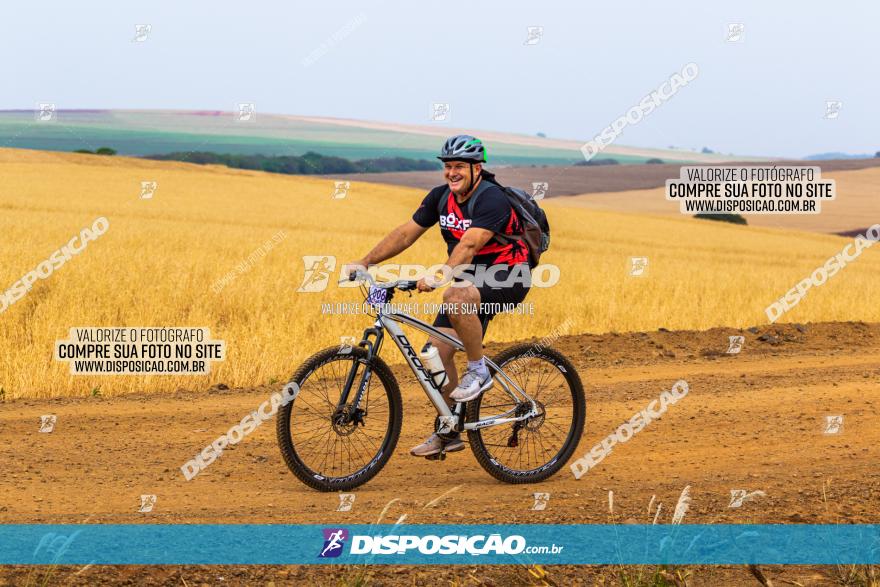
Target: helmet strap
{"points": [[473, 181]]}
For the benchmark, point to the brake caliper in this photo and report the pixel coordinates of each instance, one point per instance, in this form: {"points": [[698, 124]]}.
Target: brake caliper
{"points": [[357, 416]]}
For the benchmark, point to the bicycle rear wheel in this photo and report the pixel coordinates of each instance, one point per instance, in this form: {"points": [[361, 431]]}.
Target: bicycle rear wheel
{"points": [[336, 449], [531, 450]]}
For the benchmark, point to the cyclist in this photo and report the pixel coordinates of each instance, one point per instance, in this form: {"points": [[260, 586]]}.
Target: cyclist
{"points": [[474, 236]]}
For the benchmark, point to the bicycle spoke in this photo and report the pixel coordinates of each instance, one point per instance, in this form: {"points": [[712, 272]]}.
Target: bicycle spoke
{"points": [[376, 448], [315, 434], [552, 426], [530, 441], [326, 433], [300, 421], [357, 450], [537, 435], [367, 448], [301, 398], [553, 435], [326, 394]]}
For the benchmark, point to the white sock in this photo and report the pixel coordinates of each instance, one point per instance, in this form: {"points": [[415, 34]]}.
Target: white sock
{"points": [[478, 366]]}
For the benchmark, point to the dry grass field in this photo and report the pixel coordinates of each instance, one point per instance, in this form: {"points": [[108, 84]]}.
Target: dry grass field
{"points": [[160, 257]]}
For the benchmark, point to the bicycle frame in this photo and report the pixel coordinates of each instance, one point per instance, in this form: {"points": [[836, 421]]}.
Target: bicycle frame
{"points": [[449, 420]]}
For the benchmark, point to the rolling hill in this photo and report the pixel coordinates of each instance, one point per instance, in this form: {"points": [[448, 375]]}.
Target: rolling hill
{"points": [[146, 132]]}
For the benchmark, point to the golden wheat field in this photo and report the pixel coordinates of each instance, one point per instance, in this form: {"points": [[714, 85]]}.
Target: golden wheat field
{"points": [[161, 261]]}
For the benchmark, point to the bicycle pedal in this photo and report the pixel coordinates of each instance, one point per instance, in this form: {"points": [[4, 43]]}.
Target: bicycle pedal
{"points": [[440, 456]]}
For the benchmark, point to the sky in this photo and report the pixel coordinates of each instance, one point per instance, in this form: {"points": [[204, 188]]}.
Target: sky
{"points": [[390, 60]]}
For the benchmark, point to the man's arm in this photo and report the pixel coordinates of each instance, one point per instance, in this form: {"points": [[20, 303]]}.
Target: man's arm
{"points": [[471, 241], [395, 242]]}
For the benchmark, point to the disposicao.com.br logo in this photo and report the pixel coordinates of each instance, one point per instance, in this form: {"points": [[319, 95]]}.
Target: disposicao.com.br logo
{"points": [[334, 541], [478, 544]]}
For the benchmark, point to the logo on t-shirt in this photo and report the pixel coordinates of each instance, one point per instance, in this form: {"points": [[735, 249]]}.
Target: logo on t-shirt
{"points": [[452, 222]]}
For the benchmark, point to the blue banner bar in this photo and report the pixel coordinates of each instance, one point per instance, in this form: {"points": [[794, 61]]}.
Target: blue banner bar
{"points": [[252, 544]]}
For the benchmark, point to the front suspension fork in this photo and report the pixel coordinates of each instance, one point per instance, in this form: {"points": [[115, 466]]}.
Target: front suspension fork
{"points": [[373, 347]]}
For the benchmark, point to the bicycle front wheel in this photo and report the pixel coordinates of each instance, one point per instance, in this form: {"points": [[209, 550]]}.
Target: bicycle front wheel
{"points": [[336, 448], [536, 448]]}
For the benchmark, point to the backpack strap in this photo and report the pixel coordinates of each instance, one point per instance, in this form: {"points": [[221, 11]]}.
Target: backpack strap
{"points": [[484, 185], [504, 239]]}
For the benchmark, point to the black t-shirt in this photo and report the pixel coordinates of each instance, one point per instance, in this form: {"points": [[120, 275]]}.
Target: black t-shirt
{"points": [[491, 211]]}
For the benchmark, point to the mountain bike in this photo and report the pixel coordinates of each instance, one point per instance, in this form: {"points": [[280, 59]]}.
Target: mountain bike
{"points": [[344, 423]]}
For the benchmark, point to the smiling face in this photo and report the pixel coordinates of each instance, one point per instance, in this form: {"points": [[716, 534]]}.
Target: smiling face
{"points": [[458, 176]]}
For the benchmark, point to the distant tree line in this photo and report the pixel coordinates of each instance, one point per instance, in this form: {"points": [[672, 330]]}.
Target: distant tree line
{"points": [[732, 218], [98, 151], [309, 164], [611, 161], [593, 162]]}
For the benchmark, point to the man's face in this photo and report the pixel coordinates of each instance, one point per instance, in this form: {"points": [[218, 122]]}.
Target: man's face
{"points": [[458, 175]]}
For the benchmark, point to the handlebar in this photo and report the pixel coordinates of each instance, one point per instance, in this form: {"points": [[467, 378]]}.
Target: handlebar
{"points": [[400, 284]]}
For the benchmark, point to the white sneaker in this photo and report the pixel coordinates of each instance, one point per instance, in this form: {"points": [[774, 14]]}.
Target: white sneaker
{"points": [[436, 444], [472, 384]]}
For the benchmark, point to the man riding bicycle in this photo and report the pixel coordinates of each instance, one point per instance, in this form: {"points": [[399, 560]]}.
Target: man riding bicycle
{"points": [[475, 235]]}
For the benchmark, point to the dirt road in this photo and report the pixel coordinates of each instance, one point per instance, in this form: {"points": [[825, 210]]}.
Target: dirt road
{"points": [[753, 421]]}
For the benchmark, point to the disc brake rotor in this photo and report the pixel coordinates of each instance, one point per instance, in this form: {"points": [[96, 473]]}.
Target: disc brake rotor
{"points": [[345, 420], [535, 422]]}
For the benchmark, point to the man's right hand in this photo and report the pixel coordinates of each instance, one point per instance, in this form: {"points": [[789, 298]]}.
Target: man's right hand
{"points": [[353, 266], [425, 285]]}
